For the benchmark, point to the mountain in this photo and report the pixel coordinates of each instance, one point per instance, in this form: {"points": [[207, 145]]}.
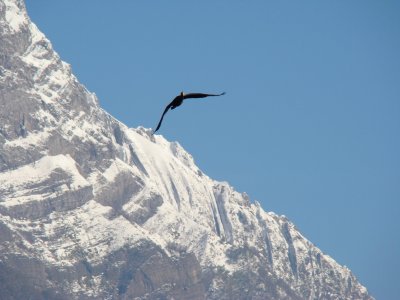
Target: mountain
{"points": [[92, 209]]}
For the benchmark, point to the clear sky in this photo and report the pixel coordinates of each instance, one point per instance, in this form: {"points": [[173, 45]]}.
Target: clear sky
{"points": [[310, 124]]}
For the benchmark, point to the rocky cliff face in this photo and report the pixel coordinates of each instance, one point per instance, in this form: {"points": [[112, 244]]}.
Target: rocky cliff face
{"points": [[90, 209]]}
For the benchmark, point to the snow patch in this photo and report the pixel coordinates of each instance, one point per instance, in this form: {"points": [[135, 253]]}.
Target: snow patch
{"points": [[33, 139], [17, 186], [15, 16]]}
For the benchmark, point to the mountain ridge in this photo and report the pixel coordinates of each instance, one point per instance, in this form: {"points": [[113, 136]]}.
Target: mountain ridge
{"points": [[92, 209]]}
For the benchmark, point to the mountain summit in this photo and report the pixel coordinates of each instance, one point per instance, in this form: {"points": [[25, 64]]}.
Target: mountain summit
{"points": [[91, 209]]}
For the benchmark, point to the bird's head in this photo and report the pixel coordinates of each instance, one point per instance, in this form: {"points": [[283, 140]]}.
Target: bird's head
{"points": [[182, 94]]}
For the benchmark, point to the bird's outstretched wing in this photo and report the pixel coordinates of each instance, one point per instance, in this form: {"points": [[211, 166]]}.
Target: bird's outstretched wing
{"points": [[200, 95], [162, 117]]}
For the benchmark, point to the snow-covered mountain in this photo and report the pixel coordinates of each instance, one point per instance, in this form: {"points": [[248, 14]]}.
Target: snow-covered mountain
{"points": [[92, 209]]}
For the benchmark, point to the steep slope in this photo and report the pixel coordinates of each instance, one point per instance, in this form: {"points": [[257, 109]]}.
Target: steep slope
{"points": [[90, 209]]}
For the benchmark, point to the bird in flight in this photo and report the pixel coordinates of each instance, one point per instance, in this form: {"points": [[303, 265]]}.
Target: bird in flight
{"points": [[178, 100]]}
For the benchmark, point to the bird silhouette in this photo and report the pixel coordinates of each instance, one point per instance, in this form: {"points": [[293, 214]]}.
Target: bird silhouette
{"points": [[178, 100]]}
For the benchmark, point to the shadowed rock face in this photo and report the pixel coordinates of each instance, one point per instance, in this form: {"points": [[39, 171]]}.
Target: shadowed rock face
{"points": [[90, 209], [143, 271]]}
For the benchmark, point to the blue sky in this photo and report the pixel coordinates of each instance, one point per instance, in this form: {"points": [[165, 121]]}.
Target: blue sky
{"points": [[309, 126]]}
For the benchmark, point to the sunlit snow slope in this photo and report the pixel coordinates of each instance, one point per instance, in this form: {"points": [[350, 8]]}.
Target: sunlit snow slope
{"points": [[91, 209]]}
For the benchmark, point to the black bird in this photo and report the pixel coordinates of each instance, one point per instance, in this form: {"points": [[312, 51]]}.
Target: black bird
{"points": [[178, 100]]}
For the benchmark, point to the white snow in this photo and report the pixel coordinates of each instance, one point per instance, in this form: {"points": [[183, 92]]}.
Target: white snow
{"points": [[17, 182], [15, 17], [33, 139], [42, 169]]}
